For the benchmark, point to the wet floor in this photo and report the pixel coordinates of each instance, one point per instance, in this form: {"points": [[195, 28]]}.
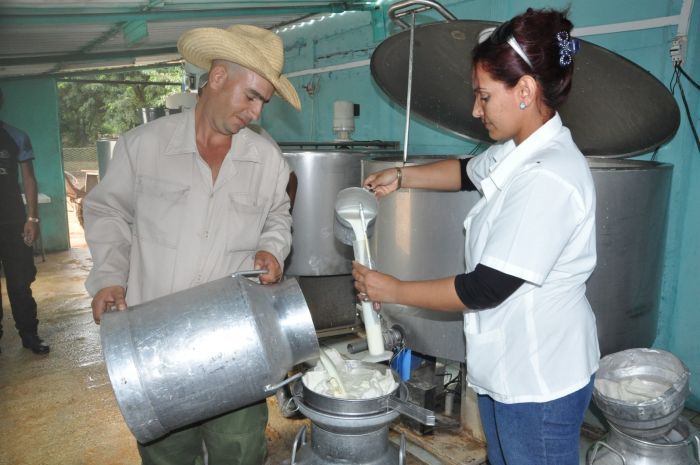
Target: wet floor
{"points": [[59, 408]]}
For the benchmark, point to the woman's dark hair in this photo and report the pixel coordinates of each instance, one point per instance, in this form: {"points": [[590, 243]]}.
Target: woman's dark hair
{"points": [[536, 33]]}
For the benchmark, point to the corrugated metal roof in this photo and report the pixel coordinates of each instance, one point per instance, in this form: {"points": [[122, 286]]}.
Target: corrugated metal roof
{"points": [[63, 36]]}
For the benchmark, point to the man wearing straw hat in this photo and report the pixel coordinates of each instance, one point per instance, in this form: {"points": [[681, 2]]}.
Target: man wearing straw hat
{"points": [[192, 197]]}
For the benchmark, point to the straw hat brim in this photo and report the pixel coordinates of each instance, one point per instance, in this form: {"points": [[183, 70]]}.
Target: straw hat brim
{"points": [[203, 45]]}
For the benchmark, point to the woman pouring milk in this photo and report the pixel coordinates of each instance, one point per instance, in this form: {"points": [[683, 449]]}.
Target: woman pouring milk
{"points": [[532, 348]]}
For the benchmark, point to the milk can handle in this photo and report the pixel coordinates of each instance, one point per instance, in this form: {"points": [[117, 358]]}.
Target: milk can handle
{"points": [[696, 437], [595, 448], [248, 273], [270, 388], [300, 437]]}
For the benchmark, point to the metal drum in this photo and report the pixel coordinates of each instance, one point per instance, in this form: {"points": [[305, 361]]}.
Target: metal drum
{"points": [[105, 147], [321, 262], [204, 351], [320, 176], [632, 204], [420, 235]]}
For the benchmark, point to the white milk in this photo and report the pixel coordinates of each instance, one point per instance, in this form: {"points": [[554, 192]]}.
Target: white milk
{"points": [[634, 389], [354, 215], [335, 382], [358, 382]]}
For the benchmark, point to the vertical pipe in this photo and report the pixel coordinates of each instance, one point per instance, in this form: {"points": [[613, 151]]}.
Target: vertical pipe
{"points": [[408, 91]]}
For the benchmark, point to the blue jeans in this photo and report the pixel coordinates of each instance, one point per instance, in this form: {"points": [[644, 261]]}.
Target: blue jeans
{"points": [[532, 433]]}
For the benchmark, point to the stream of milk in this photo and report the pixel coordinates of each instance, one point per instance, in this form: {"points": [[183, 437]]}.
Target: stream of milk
{"points": [[335, 383], [354, 215]]}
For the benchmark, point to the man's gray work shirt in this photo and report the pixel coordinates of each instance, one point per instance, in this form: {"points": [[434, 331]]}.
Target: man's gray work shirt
{"points": [[157, 223]]}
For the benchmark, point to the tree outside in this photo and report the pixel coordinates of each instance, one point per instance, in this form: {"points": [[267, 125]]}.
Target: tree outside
{"points": [[92, 110]]}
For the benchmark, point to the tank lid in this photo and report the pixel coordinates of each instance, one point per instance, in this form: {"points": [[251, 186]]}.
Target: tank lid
{"points": [[615, 108]]}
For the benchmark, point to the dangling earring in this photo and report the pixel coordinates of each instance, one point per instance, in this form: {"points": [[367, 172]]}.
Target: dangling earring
{"points": [[522, 105]]}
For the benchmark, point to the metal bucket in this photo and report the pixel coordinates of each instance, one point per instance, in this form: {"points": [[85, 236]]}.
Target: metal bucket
{"points": [[352, 431], [647, 418], [204, 351], [395, 400]]}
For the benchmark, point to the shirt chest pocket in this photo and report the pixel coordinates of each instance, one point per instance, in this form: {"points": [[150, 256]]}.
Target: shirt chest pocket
{"points": [[160, 210], [245, 222]]}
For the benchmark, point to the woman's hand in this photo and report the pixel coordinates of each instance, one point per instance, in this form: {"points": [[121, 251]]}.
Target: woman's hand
{"points": [[374, 286], [382, 182]]}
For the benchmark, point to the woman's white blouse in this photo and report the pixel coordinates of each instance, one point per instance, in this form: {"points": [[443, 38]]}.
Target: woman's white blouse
{"points": [[536, 221]]}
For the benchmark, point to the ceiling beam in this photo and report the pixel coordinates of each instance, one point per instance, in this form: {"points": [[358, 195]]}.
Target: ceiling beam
{"points": [[116, 70], [119, 83], [84, 57], [34, 16]]}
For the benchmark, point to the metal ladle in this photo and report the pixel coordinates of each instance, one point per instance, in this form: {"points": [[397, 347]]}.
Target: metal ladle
{"points": [[356, 204]]}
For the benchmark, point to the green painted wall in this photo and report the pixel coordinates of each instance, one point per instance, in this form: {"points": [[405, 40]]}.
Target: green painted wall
{"points": [[351, 38], [32, 105]]}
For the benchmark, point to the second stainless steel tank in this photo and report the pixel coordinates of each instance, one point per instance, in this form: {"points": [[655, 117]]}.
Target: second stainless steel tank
{"points": [[320, 176], [419, 235], [321, 263], [624, 290]]}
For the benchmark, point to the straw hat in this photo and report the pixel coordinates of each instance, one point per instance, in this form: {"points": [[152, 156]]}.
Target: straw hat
{"points": [[255, 48]]}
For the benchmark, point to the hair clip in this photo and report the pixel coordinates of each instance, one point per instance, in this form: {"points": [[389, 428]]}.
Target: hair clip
{"points": [[519, 50], [567, 48], [487, 33]]}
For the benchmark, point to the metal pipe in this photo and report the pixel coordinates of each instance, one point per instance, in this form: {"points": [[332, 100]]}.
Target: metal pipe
{"points": [[399, 9], [408, 91]]}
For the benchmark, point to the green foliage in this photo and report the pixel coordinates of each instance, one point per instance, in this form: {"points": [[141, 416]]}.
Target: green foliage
{"points": [[93, 110]]}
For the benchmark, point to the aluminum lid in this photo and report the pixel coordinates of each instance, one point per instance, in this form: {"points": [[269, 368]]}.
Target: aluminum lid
{"points": [[615, 108]]}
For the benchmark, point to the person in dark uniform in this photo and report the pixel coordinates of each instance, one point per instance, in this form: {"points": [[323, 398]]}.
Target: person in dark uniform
{"points": [[18, 231]]}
